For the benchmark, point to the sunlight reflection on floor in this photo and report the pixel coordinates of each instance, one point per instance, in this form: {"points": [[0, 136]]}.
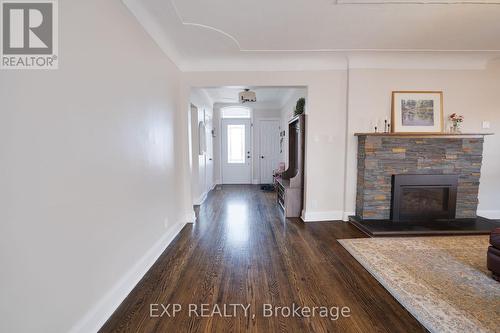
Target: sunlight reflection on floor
{"points": [[237, 222]]}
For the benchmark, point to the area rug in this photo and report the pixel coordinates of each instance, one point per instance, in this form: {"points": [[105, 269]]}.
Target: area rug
{"points": [[442, 281]]}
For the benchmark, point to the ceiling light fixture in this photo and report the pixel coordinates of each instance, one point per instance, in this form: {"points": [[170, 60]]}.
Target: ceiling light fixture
{"points": [[247, 96]]}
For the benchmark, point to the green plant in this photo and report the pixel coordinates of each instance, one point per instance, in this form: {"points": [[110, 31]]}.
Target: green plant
{"points": [[299, 108]]}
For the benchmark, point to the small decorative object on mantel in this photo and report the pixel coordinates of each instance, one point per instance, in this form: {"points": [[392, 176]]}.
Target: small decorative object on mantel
{"points": [[417, 111], [300, 107], [387, 126], [456, 121], [374, 125]]}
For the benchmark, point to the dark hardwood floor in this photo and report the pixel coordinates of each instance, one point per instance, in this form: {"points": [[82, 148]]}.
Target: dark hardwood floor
{"points": [[241, 250]]}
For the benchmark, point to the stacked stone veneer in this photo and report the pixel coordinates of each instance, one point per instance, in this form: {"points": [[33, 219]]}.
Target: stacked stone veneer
{"points": [[381, 157]]}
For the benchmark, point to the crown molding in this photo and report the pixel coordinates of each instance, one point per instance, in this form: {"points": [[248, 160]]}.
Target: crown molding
{"points": [[286, 98], [207, 96], [154, 29], [386, 60], [417, 2], [421, 60]]}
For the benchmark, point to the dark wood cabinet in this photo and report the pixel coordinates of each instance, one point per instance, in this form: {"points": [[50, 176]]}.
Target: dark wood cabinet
{"points": [[290, 186]]}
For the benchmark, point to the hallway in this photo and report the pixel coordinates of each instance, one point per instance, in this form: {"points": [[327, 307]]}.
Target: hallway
{"points": [[242, 251]]}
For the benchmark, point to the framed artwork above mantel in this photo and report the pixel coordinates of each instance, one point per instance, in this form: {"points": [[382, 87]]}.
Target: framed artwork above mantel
{"points": [[417, 112]]}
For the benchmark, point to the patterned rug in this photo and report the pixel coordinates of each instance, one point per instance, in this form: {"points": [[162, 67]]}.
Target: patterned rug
{"points": [[442, 281]]}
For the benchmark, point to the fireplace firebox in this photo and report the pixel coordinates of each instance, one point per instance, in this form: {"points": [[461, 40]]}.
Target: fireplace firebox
{"points": [[424, 197]]}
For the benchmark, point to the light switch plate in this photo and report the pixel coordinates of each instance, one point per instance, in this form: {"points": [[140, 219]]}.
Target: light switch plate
{"points": [[486, 125]]}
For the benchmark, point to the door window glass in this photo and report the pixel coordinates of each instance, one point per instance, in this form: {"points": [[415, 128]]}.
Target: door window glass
{"points": [[235, 144]]}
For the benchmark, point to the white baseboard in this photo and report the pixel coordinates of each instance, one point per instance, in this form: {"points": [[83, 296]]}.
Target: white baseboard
{"points": [[191, 217], [200, 199], [203, 197], [489, 214], [334, 215], [346, 216], [93, 320]]}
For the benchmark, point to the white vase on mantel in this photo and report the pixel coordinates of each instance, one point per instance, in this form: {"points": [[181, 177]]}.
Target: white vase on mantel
{"points": [[456, 128]]}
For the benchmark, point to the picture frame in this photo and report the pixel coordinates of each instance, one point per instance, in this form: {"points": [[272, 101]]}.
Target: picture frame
{"points": [[417, 112]]}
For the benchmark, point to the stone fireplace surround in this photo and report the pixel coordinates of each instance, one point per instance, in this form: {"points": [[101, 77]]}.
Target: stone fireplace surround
{"points": [[382, 155]]}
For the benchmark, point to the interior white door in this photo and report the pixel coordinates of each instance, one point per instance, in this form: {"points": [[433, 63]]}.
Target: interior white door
{"points": [[269, 149], [236, 151]]}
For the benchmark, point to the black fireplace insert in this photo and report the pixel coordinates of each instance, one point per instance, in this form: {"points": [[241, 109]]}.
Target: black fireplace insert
{"points": [[424, 197]]}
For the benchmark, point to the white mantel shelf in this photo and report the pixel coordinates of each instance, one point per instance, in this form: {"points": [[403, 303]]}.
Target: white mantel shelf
{"points": [[427, 135]]}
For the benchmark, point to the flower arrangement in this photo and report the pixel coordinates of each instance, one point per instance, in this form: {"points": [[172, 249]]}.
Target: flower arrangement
{"points": [[457, 121]]}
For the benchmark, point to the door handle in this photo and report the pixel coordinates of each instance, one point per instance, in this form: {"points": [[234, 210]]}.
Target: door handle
{"points": [[262, 157]]}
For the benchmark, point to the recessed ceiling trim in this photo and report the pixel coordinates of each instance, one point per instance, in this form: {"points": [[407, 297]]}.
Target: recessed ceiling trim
{"points": [[308, 59], [204, 26], [339, 50], [372, 50], [417, 2]]}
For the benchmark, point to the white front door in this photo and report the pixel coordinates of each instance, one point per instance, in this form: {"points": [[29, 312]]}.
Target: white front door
{"points": [[269, 149], [236, 152]]}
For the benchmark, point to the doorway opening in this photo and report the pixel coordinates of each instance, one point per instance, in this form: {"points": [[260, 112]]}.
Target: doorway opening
{"points": [[246, 139]]}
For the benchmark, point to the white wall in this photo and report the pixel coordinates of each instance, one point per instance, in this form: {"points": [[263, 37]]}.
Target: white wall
{"points": [[91, 181], [325, 125], [472, 93], [202, 168]]}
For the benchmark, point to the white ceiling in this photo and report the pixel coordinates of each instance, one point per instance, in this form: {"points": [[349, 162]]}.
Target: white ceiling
{"points": [[267, 97], [317, 34]]}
